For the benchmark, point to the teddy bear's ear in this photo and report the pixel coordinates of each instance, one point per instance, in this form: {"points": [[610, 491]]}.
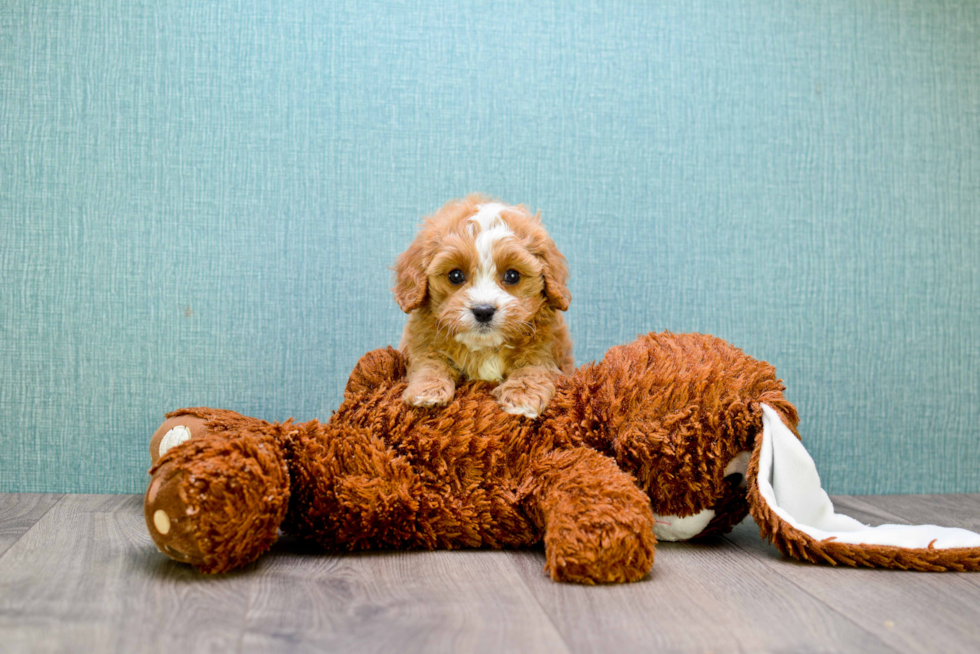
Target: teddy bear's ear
{"points": [[411, 282], [555, 271], [793, 511]]}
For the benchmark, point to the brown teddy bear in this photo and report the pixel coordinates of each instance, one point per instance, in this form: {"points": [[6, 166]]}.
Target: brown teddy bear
{"points": [[673, 435]]}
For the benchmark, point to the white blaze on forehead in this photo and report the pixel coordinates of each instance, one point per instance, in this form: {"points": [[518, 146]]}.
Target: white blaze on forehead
{"points": [[489, 228], [487, 214]]}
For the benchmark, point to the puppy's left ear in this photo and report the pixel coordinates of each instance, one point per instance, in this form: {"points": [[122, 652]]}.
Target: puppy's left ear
{"points": [[555, 271], [411, 282]]}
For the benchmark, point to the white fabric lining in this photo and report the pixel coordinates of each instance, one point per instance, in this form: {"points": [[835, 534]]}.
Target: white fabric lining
{"points": [[673, 528], [789, 483]]}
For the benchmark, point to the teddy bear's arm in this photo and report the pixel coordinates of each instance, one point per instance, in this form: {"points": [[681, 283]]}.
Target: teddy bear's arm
{"points": [[598, 527]]}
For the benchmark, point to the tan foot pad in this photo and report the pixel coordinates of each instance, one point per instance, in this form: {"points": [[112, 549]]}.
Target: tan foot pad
{"points": [[169, 521]]}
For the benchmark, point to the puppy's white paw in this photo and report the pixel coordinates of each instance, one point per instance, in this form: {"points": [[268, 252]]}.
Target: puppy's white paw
{"points": [[429, 392], [521, 398], [427, 401], [521, 410]]}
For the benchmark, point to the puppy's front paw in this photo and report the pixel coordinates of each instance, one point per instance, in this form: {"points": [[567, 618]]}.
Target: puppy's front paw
{"points": [[429, 391], [524, 396]]}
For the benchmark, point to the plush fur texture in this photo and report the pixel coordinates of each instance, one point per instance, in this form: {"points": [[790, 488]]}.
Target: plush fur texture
{"points": [[651, 430], [653, 425], [484, 286]]}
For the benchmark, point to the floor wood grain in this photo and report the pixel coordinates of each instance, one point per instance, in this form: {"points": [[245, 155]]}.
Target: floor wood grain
{"points": [[704, 597], [459, 601], [19, 512], [79, 573], [87, 578], [909, 611]]}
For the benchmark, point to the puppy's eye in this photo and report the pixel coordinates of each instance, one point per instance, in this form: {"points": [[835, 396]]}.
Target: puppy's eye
{"points": [[456, 276], [512, 277]]}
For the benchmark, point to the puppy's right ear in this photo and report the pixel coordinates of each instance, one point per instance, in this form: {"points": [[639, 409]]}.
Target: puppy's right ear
{"points": [[411, 282]]}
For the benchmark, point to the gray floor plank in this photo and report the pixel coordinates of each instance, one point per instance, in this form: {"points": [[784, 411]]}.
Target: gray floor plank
{"points": [[19, 512], [910, 611], [705, 597], [80, 573], [461, 601], [87, 578]]}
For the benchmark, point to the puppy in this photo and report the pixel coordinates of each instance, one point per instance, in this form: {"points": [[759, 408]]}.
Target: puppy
{"points": [[483, 285]]}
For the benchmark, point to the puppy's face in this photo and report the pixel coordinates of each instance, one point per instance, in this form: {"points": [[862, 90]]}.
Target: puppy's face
{"points": [[483, 270], [484, 284]]}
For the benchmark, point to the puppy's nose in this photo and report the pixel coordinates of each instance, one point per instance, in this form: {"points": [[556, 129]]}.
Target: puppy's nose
{"points": [[484, 313]]}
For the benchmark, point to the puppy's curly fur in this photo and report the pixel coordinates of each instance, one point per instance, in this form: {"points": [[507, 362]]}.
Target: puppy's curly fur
{"points": [[484, 286]]}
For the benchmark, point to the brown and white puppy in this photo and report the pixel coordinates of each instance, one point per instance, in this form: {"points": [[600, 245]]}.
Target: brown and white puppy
{"points": [[483, 285]]}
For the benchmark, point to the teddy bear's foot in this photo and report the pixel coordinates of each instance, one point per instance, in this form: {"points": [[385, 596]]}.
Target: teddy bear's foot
{"points": [[598, 526], [169, 519], [611, 553], [218, 496]]}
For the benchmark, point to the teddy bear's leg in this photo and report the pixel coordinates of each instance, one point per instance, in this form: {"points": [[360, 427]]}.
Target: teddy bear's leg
{"points": [[218, 494], [598, 527]]}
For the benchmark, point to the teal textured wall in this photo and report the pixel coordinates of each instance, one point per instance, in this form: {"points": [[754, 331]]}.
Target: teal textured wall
{"points": [[199, 201]]}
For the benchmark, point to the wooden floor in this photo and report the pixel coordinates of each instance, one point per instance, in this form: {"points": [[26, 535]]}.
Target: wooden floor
{"points": [[78, 573]]}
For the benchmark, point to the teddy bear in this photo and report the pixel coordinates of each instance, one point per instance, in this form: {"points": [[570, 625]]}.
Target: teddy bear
{"points": [[670, 437]]}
